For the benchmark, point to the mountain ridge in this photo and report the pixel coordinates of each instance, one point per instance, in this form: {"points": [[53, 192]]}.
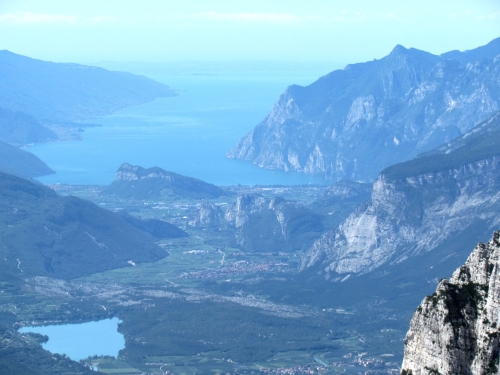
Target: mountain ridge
{"points": [[44, 234], [21, 163], [62, 93], [354, 122], [415, 207], [133, 181]]}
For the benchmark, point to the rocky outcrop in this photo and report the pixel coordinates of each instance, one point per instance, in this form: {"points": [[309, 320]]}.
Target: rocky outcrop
{"points": [[275, 225], [135, 182], [264, 225], [210, 214], [246, 205], [352, 123], [457, 329], [415, 207]]}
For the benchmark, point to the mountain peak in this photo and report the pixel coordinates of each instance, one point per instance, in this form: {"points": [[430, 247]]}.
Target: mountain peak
{"points": [[399, 49], [133, 181]]}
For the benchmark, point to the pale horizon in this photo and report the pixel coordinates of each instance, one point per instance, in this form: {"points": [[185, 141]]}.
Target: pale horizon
{"points": [[156, 31]]}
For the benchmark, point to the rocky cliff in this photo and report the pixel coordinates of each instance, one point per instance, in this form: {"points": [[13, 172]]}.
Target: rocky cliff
{"points": [[352, 123], [456, 330], [273, 225], [417, 207]]}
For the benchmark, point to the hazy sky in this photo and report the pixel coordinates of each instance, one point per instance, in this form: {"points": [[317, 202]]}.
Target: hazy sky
{"points": [[285, 30]]}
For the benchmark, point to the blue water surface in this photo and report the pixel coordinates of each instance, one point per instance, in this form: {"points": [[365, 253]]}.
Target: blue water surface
{"points": [[189, 134], [78, 341]]}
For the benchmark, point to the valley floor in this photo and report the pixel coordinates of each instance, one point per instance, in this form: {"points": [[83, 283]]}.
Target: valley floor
{"points": [[210, 307]]}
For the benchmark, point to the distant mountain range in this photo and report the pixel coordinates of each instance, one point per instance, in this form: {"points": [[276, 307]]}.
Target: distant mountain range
{"points": [[62, 93], [155, 183], [37, 95], [354, 122]]}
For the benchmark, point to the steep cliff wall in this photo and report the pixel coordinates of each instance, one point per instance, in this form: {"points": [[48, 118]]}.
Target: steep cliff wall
{"points": [[407, 217], [456, 330], [273, 225], [352, 123], [416, 206]]}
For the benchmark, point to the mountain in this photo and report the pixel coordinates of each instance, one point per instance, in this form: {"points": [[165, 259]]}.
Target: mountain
{"points": [[156, 228], [456, 330], [274, 225], [418, 207], [278, 225], [489, 51], [354, 122], [62, 93], [43, 234], [19, 129], [155, 183], [21, 163]]}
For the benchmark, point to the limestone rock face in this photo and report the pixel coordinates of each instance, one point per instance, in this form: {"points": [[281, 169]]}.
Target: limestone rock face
{"points": [[407, 217], [354, 122], [246, 205], [270, 225], [418, 206], [456, 330], [210, 214]]}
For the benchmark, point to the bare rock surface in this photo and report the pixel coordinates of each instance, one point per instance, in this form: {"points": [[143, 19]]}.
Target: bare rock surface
{"points": [[456, 330]]}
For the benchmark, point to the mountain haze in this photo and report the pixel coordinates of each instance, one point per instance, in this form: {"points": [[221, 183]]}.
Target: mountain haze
{"points": [[21, 163], [63, 93], [354, 122], [19, 129]]}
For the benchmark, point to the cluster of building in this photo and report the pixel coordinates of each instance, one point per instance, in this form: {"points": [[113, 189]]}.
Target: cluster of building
{"points": [[235, 268], [375, 366]]}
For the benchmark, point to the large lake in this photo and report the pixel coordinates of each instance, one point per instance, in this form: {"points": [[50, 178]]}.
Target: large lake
{"points": [[188, 134], [78, 341]]}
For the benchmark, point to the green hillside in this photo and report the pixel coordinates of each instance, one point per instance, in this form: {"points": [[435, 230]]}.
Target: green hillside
{"points": [[42, 233]]}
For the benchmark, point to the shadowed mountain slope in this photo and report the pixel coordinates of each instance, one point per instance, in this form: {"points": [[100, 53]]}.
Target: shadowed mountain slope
{"points": [[19, 129], [61, 93], [21, 163], [64, 237]]}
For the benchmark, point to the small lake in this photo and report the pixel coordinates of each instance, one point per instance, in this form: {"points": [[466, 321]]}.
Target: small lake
{"points": [[78, 341]]}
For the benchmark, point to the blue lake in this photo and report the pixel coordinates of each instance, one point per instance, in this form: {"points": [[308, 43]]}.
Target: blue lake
{"points": [[78, 341], [188, 134]]}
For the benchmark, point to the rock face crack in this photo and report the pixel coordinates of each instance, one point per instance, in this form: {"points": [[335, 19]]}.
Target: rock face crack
{"points": [[456, 329]]}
